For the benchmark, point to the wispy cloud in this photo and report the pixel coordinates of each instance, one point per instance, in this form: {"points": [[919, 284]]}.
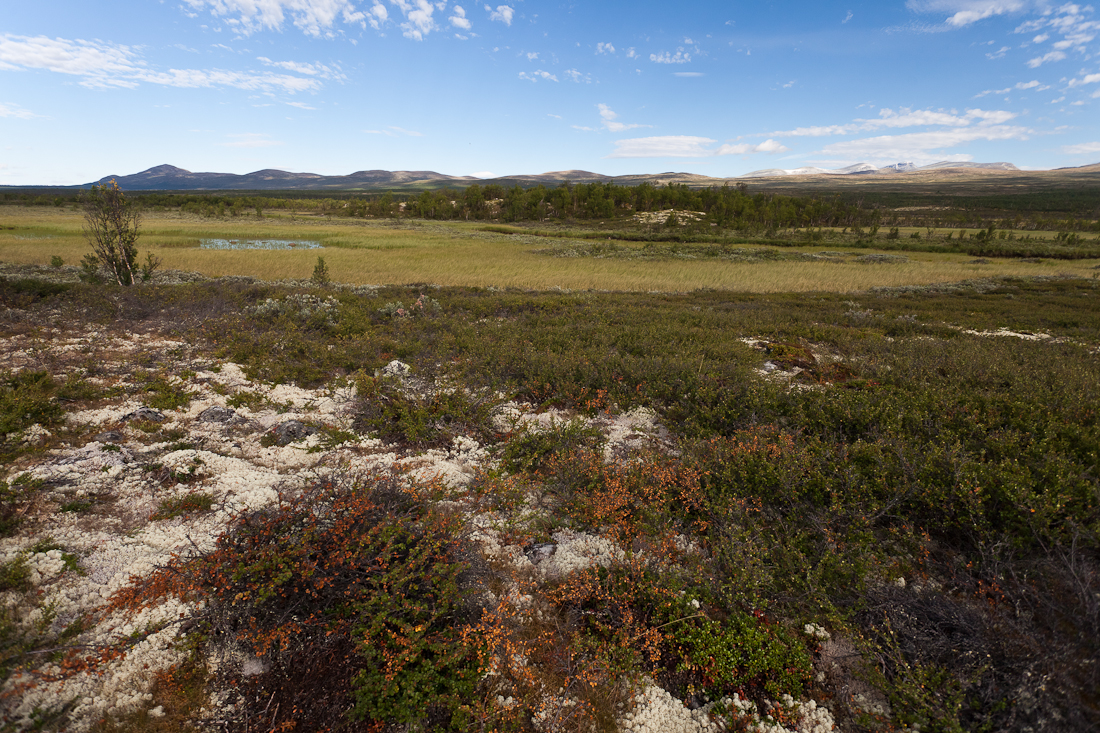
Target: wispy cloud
{"points": [[317, 69], [251, 140], [578, 77], [688, 73], [394, 131], [888, 118], [964, 12], [919, 147], [317, 19], [1081, 148], [609, 119], [300, 105], [101, 65], [1040, 60], [1020, 86], [14, 110], [605, 48], [998, 54], [536, 75], [680, 57], [848, 17], [686, 146]]}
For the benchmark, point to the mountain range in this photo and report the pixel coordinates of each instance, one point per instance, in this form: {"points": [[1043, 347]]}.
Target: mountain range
{"points": [[171, 178]]}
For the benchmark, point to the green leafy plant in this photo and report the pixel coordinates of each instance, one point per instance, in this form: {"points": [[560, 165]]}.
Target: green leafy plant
{"points": [[178, 506], [321, 274], [356, 588], [112, 225]]}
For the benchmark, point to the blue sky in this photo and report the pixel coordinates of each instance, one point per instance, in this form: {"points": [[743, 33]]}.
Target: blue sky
{"points": [[716, 88]]}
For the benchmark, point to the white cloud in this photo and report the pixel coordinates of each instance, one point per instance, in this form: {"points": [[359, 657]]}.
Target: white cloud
{"points": [[503, 13], [919, 147], [688, 73], [578, 77], [531, 56], [667, 58], [1081, 148], [459, 19], [1089, 79], [102, 65], [631, 53], [888, 118], [998, 54], [418, 18], [536, 75], [847, 17], [14, 110], [300, 105], [484, 174], [964, 12], [1069, 21], [251, 140], [1040, 60], [313, 17], [605, 48], [608, 119], [318, 69], [686, 146], [377, 15]]}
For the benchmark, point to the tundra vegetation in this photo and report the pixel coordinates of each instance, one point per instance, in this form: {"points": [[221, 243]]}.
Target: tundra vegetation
{"points": [[887, 502]]}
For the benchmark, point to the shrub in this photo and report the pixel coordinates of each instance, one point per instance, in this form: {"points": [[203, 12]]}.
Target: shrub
{"points": [[352, 596], [320, 273], [186, 504], [434, 417], [111, 225]]}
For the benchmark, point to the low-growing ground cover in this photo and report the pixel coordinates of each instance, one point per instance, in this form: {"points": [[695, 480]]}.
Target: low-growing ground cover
{"points": [[391, 251], [571, 511]]}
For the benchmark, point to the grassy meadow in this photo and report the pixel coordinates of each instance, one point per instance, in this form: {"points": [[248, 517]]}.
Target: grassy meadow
{"points": [[454, 254], [879, 489]]}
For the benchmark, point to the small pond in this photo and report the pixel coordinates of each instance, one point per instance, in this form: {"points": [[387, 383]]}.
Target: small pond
{"points": [[258, 244]]}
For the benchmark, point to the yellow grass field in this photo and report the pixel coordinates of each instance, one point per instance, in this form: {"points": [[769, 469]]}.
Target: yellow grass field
{"points": [[384, 253]]}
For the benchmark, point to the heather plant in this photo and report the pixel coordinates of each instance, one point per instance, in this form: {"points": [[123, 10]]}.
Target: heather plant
{"points": [[164, 394], [422, 415], [354, 589]]}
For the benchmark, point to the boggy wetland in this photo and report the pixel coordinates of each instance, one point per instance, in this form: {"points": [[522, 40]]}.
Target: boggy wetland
{"points": [[529, 471]]}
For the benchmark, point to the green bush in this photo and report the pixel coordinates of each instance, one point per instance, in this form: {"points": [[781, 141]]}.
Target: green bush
{"points": [[351, 593], [435, 418]]}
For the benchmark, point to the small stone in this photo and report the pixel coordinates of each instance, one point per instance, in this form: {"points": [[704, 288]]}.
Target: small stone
{"points": [[540, 552], [109, 436], [291, 431], [396, 369], [145, 413], [217, 414]]}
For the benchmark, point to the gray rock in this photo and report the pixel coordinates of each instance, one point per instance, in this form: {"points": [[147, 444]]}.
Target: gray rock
{"points": [[291, 431], [110, 436], [217, 414], [396, 369], [540, 552], [145, 413]]}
